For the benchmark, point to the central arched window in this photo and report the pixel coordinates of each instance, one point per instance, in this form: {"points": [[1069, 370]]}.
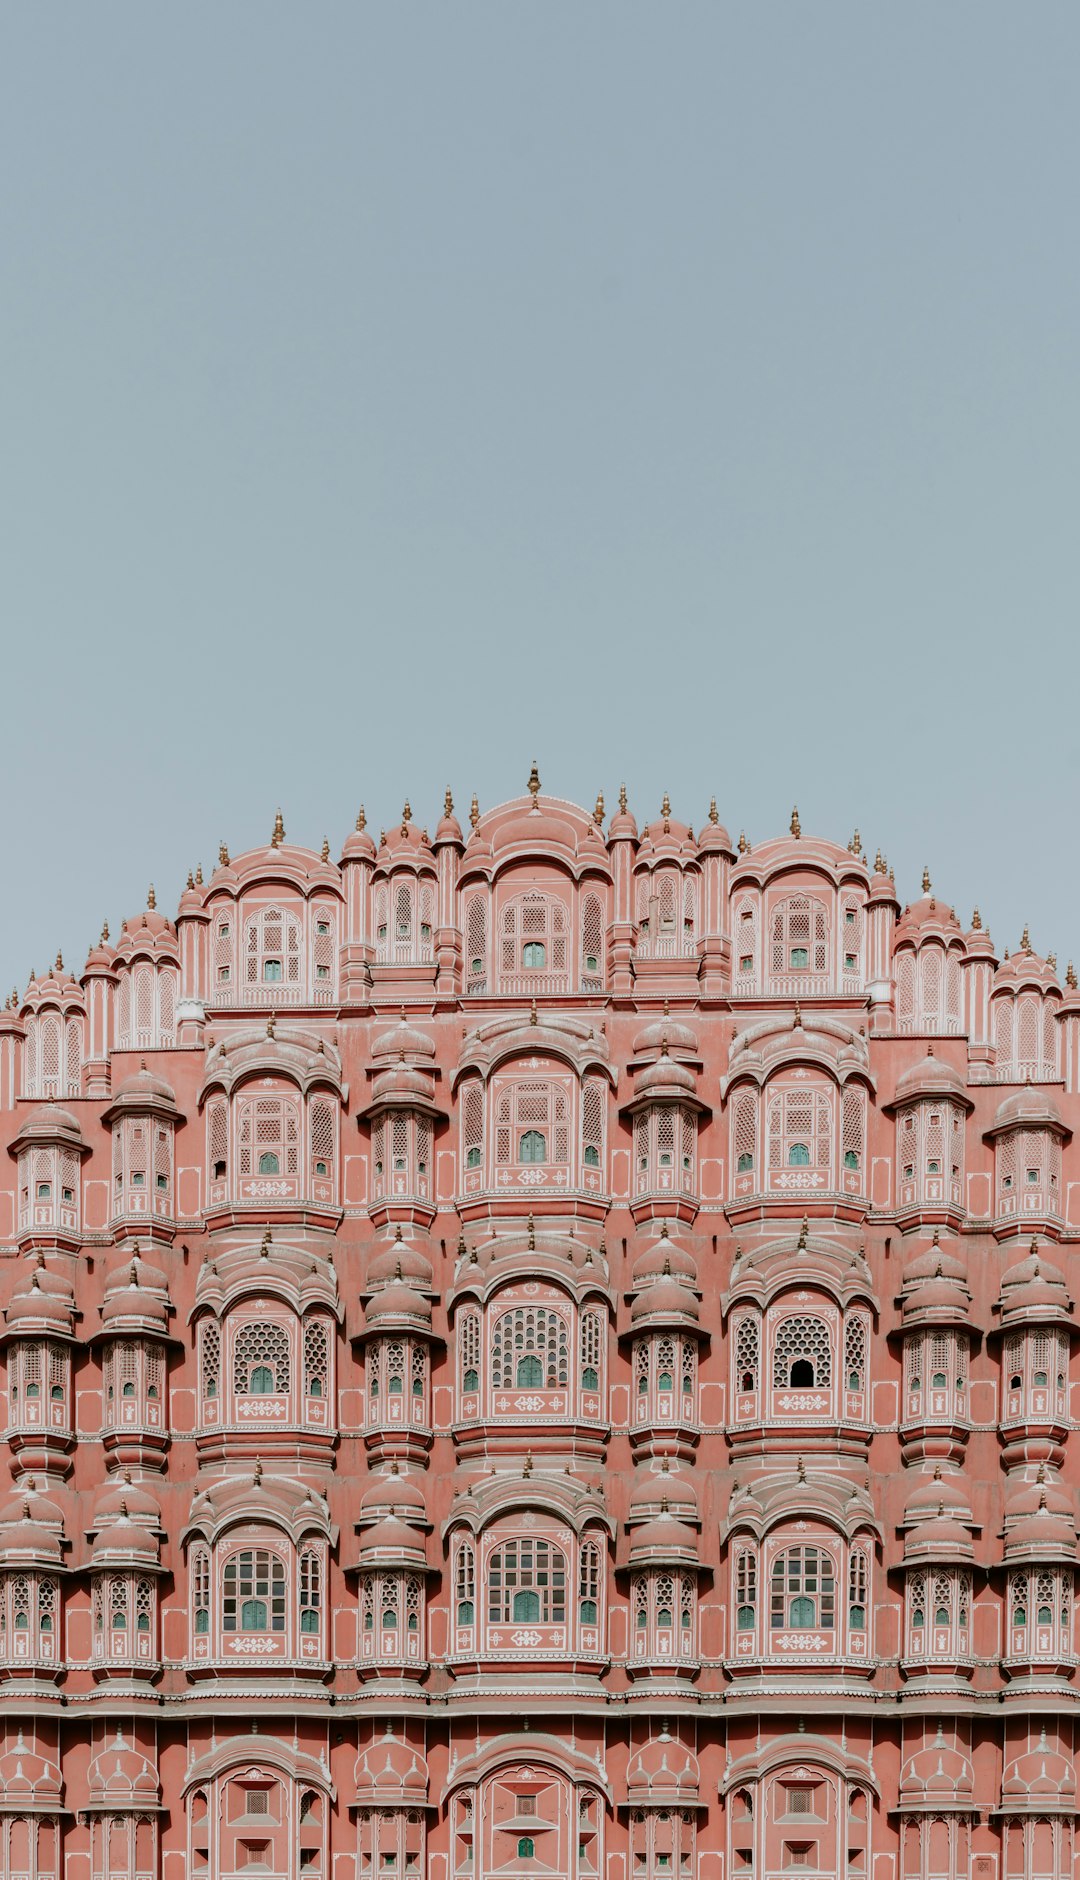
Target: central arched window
{"points": [[803, 1590], [273, 949], [527, 1583], [532, 1124], [253, 1598], [534, 939], [802, 1354], [800, 1129], [268, 1136], [532, 1146], [800, 937], [261, 1361], [531, 1346]]}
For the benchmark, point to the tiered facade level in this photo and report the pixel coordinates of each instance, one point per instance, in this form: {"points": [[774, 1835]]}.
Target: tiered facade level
{"points": [[542, 1352]]}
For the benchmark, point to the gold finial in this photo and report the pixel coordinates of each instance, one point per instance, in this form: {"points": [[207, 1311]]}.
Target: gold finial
{"points": [[223, 854], [797, 1020], [598, 809], [278, 836], [448, 803], [1070, 976], [796, 825], [198, 875], [257, 1477], [406, 816], [622, 798], [665, 807], [802, 1470], [744, 846], [532, 1235], [976, 920], [270, 1023], [361, 819], [264, 1245], [104, 933], [892, 876], [1051, 961], [59, 961], [190, 880], [926, 881], [151, 899], [326, 848], [527, 1469], [474, 811], [803, 1233], [533, 785], [713, 813], [533, 1020], [856, 844], [689, 833], [1025, 940], [879, 865]]}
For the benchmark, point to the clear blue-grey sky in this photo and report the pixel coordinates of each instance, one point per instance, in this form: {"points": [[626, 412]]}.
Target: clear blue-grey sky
{"points": [[680, 393]]}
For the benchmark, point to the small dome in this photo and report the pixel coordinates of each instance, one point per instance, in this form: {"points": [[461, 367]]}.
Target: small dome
{"points": [[663, 1257], [942, 1537], [1041, 1534], [665, 1078], [44, 1301], [398, 1305], [358, 845], [675, 1487], [50, 1123], [29, 1778], [925, 918], [931, 1077], [125, 1500], [937, 1770], [664, 1542], [665, 1300], [1029, 1108], [400, 1258], [1033, 1288], [143, 1091], [123, 1541], [937, 1494], [137, 1292], [391, 1542], [403, 1086], [663, 1770], [1041, 1774], [391, 1773], [394, 1494], [934, 1262], [119, 1776], [403, 1041], [1026, 968], [1044, 1490], [27, 1542], [670, 1031]]}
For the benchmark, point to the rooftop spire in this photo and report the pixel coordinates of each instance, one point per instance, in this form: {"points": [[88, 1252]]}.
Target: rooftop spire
{"points": [[796, 826], [713, 815], [223, 854], [448, 803], [326, 848], [744, 846], [598, 809], [278, 836], [856, 844], [151, 899], [622, 798], [533, 785], [926, 880], [976, 920], [1025, 940], [474, 811], [361, 819]]}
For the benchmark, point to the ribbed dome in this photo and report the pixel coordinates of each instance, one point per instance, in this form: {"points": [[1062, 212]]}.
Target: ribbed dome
{"points": [[1029, 1108], [664, 1256], [397, 1305], [400, 1258], [665, 1299], [403, 1040], [675, 1487], [664, 1542], [930, 1077], [1032, 1287], [665, 1078], [669, 1031], [394, 1494]]}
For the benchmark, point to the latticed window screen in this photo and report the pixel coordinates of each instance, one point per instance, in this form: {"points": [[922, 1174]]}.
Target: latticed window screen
{"points": [[1003, 1030], [745, 1590], [905, 990], [322, 1136], [532, 1124], [530, 1347], [59, 1365], [200, 1589], [592, 938], [475, 921], [746, 940], [747, 1351], [800, 1129], [316, 1358], [916, 1600], [323, 945], [858, 1589], [802, 1341], [592, 1123], [856, 1333], [529, 923], [803, 1590], [261, 1361], [1006, 1163], [744, 1114], [217, 1139], [589, 1583], [799, 936], [592, 1348], [73, 1070], [854, 1126], [273, 952], [311, 1589], [469, 1349], [527, 1582], [253, 1592], [210, 1352], [465, 1584], [472, 1125], [268, 1135]]}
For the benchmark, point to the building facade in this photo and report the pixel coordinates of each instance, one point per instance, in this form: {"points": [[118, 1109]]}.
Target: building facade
{"points": [[545, 1350]]}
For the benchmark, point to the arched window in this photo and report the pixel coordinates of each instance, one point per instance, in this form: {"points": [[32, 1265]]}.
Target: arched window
{"points": [[530, 1346], [799, 937], [534, 935], [802, 1354], [472, 1126], [253, 1595], [532, 1146], [800, 1136], [592, 944], [261, 1361], [469, 1350], [745, 1591], [532, 1124], [273, 951], [527, 1583], [803, 1590], [268, 1136], [465, 1585], [744, 1134]]}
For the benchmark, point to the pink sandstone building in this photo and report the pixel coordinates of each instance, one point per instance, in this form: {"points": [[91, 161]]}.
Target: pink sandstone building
{"points": [[538, 1353]]}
